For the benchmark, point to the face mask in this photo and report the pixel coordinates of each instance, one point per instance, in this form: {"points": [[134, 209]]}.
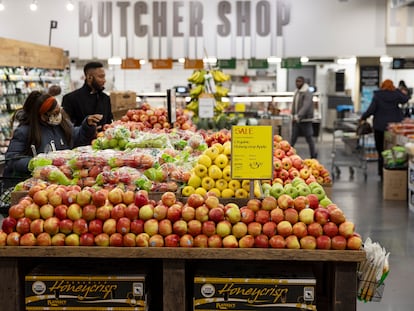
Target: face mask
{"points": [[55, 119]]}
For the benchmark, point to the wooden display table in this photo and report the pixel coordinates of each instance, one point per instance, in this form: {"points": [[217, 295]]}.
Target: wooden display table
{"points": [[335, 271]]}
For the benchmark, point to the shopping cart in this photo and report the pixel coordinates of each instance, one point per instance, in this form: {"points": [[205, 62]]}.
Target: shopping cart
{"points": [[348, 148]]}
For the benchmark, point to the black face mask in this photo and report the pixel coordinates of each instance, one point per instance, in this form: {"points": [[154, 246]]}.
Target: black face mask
{"points": [[96, 86]]}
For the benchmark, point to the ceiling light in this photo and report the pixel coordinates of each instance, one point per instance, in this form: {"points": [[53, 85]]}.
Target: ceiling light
{"points": [[347, 61], [386, 59], [115, 60], [142, 61], [210, 60], [70, 6], [33, 5], [1, 6], [181, 60], [274, 60], [304, 59]]}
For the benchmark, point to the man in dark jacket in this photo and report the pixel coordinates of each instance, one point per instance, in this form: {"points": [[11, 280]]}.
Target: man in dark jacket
{"points": [[302, 114], [90, 98]]}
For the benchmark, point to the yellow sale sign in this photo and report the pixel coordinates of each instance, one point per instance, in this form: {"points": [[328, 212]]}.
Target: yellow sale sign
{"points": [[252, 152]]}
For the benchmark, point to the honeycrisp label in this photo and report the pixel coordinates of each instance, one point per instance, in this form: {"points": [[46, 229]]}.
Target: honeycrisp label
{"points": [[252, 152]]}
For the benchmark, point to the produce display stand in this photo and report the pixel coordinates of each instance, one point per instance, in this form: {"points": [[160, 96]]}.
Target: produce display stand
{"points": [[335, 271]]}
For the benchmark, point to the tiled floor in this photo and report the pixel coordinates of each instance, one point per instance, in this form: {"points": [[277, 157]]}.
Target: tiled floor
{"points": [[389, 223]]}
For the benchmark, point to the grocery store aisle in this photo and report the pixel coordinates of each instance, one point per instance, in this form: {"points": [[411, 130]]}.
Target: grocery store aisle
{"points": [[389, 223]]}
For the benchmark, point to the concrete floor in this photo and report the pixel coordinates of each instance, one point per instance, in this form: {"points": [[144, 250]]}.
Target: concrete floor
{"points": [[388, 222]]}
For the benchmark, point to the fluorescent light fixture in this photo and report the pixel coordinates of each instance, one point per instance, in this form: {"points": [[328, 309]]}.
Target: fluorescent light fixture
{"points": [[386, 59], [181, 60], [142, 61], [210, 60], [1, 6], [115, 60], [274, 60], [346, 61], [304, 59], [33, 5], [70, 6], [248, 99]]}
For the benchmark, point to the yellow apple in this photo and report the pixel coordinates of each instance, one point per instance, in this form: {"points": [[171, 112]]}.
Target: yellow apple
{"points": [[212, 152], [246, 184], [227, 148], [234, 184], [205, 160], [241, 193], [215, 191], [219, 147], [187, 191], [227, 193], [221, 184], [200, 170], [215, 172], [194, 181], [201, 190], [207, 183], [227, 173], [221, 160]]}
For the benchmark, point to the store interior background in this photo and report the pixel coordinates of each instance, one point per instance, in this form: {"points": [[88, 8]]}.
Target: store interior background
{"points": [[324, 31]]}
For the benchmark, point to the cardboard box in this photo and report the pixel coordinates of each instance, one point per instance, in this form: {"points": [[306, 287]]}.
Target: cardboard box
{"points": [[81, 289], [123, 100], [394, 185], [224, 293]]}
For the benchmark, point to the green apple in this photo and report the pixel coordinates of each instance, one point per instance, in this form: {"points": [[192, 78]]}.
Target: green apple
{"points": [[276, 190], [319, 191], [303, 189], [314, 184], [297, 181], [290, 190], [325, 201]]}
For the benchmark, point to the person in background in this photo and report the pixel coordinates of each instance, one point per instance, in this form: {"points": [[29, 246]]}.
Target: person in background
{"points": [[90, 98], [54, 90], [385, 109], [44, 127], [302, 115]]}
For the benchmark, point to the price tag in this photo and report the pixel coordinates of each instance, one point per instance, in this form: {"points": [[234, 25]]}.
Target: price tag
{"points": [[252, 152], [206, 107]]}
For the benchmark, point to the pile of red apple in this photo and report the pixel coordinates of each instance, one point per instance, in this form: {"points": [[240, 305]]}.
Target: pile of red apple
{"points": [[70, 216]]}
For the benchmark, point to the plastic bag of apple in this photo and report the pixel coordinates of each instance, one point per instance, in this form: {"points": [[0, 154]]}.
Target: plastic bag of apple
{"points": [[56, 215]]}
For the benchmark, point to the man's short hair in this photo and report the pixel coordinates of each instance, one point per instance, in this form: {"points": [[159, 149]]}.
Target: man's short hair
{"points": [[91, 65]]}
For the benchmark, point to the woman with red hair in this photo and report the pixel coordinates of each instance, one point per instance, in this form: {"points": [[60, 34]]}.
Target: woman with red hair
{"points": [[385, 109], [44, 127]]}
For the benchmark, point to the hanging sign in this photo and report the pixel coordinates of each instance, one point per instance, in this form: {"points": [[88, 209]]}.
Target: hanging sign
{"points": [[256, 63], [162, 63], [130, 63], [291, 63], [193, 64], [252, 152], [226, 63]]}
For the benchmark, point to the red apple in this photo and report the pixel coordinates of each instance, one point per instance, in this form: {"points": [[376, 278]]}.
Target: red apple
{"points": [[131, 211], [330, 229], [146, 212], [354, 242], [261, 241], [201, 213], [129, 240], [194, 227], [321, 215], [230, 241], [232, 212], [254, 228], [32, 211], [141, 198], [66, 226], [313, 200], [300, 202], [115, 196], [277, 215], [128, 197], [187, 212], [269, 203], [277, 241], [156, 240], [40, 197], [186, 240], [87, 239], [95, 226], [195, 200], [300, 229], [99, 197], [142, 240], [215, 241], [51, 225], [80, 226], [209, 228], [44, 239], [284, 228], [212, 201], [168, 198], [28, 239], [247, 214], [216, 214], [16, 211], [13, 239], [160, 211], [180, 227], [172, 240], [345, 229], [254, 204], [102, 240], [323, 242], [239, 230], [338, 242], [23, 225], [104, 212], [246, 241], [291, 215], [61, 211], [36, 226], [308, 242], [285, 201], [262, 216], [315, 229], [84, 197], [58, 239], [89, 212], [223, 228], [137, 226], [269, 229], [116, 239], [201, 241], [337, 216]]}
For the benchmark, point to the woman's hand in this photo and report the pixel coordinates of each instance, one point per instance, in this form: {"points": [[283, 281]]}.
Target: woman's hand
{"points": [[94, 119]]}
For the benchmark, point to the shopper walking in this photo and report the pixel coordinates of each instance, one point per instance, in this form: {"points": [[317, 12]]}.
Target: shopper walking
{"points": [[385, 109], [44, 127], [90, 98], [302, 115]]}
